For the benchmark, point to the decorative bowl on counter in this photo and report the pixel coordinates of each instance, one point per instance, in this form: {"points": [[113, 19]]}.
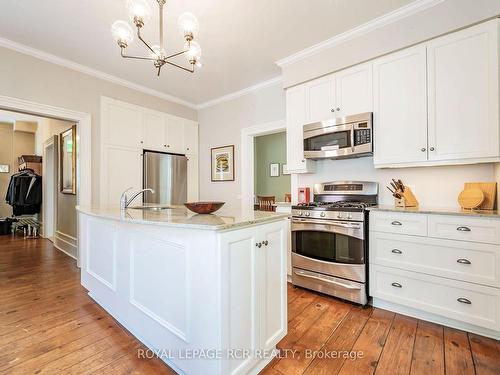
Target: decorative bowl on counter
{"points": [[204, 207]]}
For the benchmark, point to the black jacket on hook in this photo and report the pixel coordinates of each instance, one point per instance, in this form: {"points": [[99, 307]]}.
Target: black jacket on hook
{"points": [[24, 193]]}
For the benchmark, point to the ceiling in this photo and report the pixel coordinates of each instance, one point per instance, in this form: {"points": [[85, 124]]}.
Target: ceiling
{"points": [[240, 39]]}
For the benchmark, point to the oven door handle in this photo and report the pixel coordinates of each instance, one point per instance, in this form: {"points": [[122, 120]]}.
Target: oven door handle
{"points": [[330, 223], [303, 274]]}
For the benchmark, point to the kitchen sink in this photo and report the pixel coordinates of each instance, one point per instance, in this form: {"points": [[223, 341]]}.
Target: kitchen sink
{"points": [[151, 208]]}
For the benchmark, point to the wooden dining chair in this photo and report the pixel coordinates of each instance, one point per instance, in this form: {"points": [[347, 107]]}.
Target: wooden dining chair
{"points": [[288, 197], [266, 202]]}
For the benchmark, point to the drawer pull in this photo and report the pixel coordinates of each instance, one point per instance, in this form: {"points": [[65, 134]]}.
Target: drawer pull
{"points": [[463, 229], [464, 300], [395, 222], [396, 251], [463, 261], [397, 285]]}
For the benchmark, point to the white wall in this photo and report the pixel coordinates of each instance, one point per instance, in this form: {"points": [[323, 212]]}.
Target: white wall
{"points": [[446, 16], [28, 78], [435, 187], [221, 125]]}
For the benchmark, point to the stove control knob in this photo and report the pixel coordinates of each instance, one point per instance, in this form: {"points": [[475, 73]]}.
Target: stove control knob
{"points": [[339, 216], [301, 213], [308, 214], [349, 216], [322, 214]]}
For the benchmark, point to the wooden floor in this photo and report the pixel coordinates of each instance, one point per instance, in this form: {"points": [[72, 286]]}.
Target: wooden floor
{"points": [[48, 325]]}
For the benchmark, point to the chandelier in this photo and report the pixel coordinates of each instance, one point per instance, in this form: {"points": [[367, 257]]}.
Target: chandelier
{"points": [[140, 12]]}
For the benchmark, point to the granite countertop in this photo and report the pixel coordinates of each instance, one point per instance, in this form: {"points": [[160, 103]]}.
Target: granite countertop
{"points": [[491, 214], [181, 217]]}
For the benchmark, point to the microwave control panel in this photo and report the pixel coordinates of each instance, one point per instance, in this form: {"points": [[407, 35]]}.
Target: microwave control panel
{"points": [[362, 136]]}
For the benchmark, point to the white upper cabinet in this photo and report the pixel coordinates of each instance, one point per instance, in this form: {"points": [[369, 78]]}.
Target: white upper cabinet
{"points": [[121, 169], [353, 91], [344, 93], [295, 120], [400, 107], [463, 94], [174, 135], [154, 131], [124, 124], [320, 99], [190, 137]]}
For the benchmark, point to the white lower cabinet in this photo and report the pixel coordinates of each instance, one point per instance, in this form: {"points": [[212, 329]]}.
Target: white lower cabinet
{"points": [[447, 270], [254, 288], [465, 302]]}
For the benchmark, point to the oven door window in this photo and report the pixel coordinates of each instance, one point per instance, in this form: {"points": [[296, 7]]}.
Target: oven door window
{"points": [[330, 247], [328, 142]]}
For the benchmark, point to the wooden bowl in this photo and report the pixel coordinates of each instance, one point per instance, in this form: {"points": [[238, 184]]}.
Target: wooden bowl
{"points": [[204, 207]]}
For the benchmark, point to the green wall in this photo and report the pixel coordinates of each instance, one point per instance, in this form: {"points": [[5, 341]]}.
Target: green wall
{"points": [[270, 149]]}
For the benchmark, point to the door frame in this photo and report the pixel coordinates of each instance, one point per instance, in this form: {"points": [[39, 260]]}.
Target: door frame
{"points": [[247, 158], [83, 138], [49, 212]]}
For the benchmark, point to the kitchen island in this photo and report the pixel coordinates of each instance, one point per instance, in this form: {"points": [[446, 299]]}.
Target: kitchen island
{"points": [[207, 293]]}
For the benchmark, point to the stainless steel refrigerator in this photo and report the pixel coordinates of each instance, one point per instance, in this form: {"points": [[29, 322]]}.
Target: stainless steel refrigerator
{"points": [[167, 175]]}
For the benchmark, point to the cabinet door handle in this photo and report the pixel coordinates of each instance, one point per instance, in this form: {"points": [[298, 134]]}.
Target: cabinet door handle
{"points": [[396, 251], [332, 110], [463, 229], [463, 261], [258, 244], [265, 242], [338, 109], [423, 149], [395, 222], [432, 149], [464, 300], [397, 285]]}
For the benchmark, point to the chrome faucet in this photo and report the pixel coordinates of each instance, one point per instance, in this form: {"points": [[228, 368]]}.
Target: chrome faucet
{"points": [[125, 202]]}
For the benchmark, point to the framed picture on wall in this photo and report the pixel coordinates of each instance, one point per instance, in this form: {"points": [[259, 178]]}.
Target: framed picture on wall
{"points": [[274, 169], [222, 161], [67, 160]]}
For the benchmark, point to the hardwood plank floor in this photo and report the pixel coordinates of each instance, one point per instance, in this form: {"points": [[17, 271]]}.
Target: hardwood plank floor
{"points": [[48, 325]]}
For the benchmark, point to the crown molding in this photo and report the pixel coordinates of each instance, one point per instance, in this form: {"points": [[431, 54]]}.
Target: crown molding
{"points": [[239, 93], [18, 47], [386, 19]]}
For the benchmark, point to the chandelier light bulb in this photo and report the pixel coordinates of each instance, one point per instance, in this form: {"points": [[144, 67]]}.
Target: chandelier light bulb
{"points": [[122, 33], [193, 51], [139, 11], [188, 25]]}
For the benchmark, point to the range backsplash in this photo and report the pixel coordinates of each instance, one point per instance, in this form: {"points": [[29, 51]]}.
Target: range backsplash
{"points": [[433, 186]]}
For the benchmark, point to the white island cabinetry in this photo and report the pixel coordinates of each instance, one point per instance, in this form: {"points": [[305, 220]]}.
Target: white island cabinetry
{"points": [[181, 282]]}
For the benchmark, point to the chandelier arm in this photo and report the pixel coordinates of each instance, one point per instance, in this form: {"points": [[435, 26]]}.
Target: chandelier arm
{"points": [[136, 57], [181, 67], [143, 41], [175, 54]]}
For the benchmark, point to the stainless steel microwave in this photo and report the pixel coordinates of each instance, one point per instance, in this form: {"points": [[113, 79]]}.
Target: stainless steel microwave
{"points": [[343, 137]]}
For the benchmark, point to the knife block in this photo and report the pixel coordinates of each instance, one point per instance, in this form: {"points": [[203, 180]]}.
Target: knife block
{"points": [[408, 199]]}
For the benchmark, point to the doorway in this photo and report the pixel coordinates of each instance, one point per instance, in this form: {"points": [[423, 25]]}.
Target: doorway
{"points": [[271, 179], [83, 141], [248, 160]]}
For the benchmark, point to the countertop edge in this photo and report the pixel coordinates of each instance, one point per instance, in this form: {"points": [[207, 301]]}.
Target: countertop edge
{"points": [[206, 227], [493, 214]]}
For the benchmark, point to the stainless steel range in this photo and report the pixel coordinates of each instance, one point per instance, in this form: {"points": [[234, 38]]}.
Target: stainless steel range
{"points": [[330, 239]]}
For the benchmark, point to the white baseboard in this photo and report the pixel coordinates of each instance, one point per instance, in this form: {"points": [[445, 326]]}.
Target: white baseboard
{"points": [[430, 317], [66, 243]]}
